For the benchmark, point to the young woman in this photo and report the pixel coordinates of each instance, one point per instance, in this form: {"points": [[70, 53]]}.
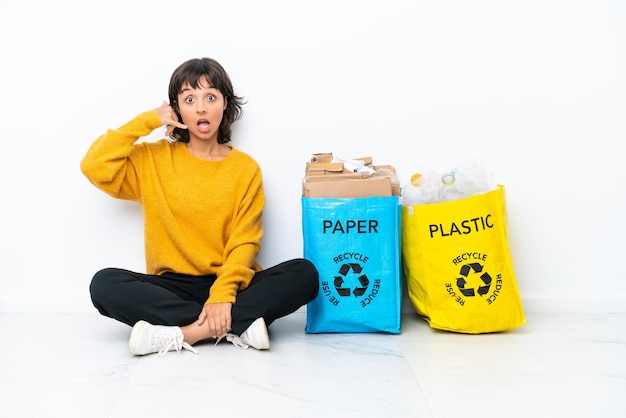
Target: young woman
{"points": [[202, 203]]}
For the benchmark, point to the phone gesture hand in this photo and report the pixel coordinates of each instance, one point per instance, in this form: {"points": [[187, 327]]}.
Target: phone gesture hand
{"points": [[169, 118]]}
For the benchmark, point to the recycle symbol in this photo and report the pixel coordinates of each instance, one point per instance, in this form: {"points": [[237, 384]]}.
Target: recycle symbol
{"points": [[477, 269], [339, 280]]}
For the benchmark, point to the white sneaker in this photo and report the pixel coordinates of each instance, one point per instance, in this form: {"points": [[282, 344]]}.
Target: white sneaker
{"points": [[255, 336], [146, 338]]}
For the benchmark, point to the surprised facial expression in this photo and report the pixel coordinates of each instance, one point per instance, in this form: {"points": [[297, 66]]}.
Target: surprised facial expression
{"points": [[202, 110]]}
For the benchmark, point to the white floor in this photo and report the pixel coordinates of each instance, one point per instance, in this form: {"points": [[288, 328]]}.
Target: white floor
{"points": [[558, 365]]}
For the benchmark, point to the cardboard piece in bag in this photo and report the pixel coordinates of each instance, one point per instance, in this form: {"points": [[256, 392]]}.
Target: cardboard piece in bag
{"points": [[327, 178], [372, 186]]}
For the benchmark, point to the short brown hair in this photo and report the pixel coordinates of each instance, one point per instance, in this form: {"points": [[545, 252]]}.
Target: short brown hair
{"points": [[192, 72]]}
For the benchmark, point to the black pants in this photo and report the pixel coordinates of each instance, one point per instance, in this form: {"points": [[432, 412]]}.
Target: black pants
{"points": [[177, 299]]}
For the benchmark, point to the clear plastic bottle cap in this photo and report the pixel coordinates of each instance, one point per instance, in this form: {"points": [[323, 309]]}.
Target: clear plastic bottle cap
{"points": [[448, 178]]}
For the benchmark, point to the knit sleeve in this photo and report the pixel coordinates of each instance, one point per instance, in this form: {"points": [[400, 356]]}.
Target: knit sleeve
{"points": [[109, 163], [243, 244]]}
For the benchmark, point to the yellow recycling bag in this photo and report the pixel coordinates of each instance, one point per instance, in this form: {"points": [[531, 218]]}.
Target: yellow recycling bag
{"points": [[457, 264]]}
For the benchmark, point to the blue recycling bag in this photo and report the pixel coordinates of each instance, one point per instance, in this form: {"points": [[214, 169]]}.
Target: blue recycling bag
{"points": [[355, 245]]}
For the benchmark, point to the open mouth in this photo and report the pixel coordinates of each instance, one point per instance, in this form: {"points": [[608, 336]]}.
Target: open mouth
{"points": [[203, 125]]}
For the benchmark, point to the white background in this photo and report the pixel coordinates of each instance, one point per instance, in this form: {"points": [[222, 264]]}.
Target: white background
{"points": [[535, 89]]}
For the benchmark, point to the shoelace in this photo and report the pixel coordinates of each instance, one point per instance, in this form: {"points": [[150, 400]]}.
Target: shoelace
{"points": [[176, 342], [233, 339]]}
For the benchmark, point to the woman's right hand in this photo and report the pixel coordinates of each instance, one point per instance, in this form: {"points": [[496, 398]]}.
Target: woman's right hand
{"points": [[169, 118]]}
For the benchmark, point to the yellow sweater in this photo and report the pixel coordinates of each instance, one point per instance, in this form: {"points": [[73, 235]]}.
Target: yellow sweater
{"points": [[200, 217]]}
